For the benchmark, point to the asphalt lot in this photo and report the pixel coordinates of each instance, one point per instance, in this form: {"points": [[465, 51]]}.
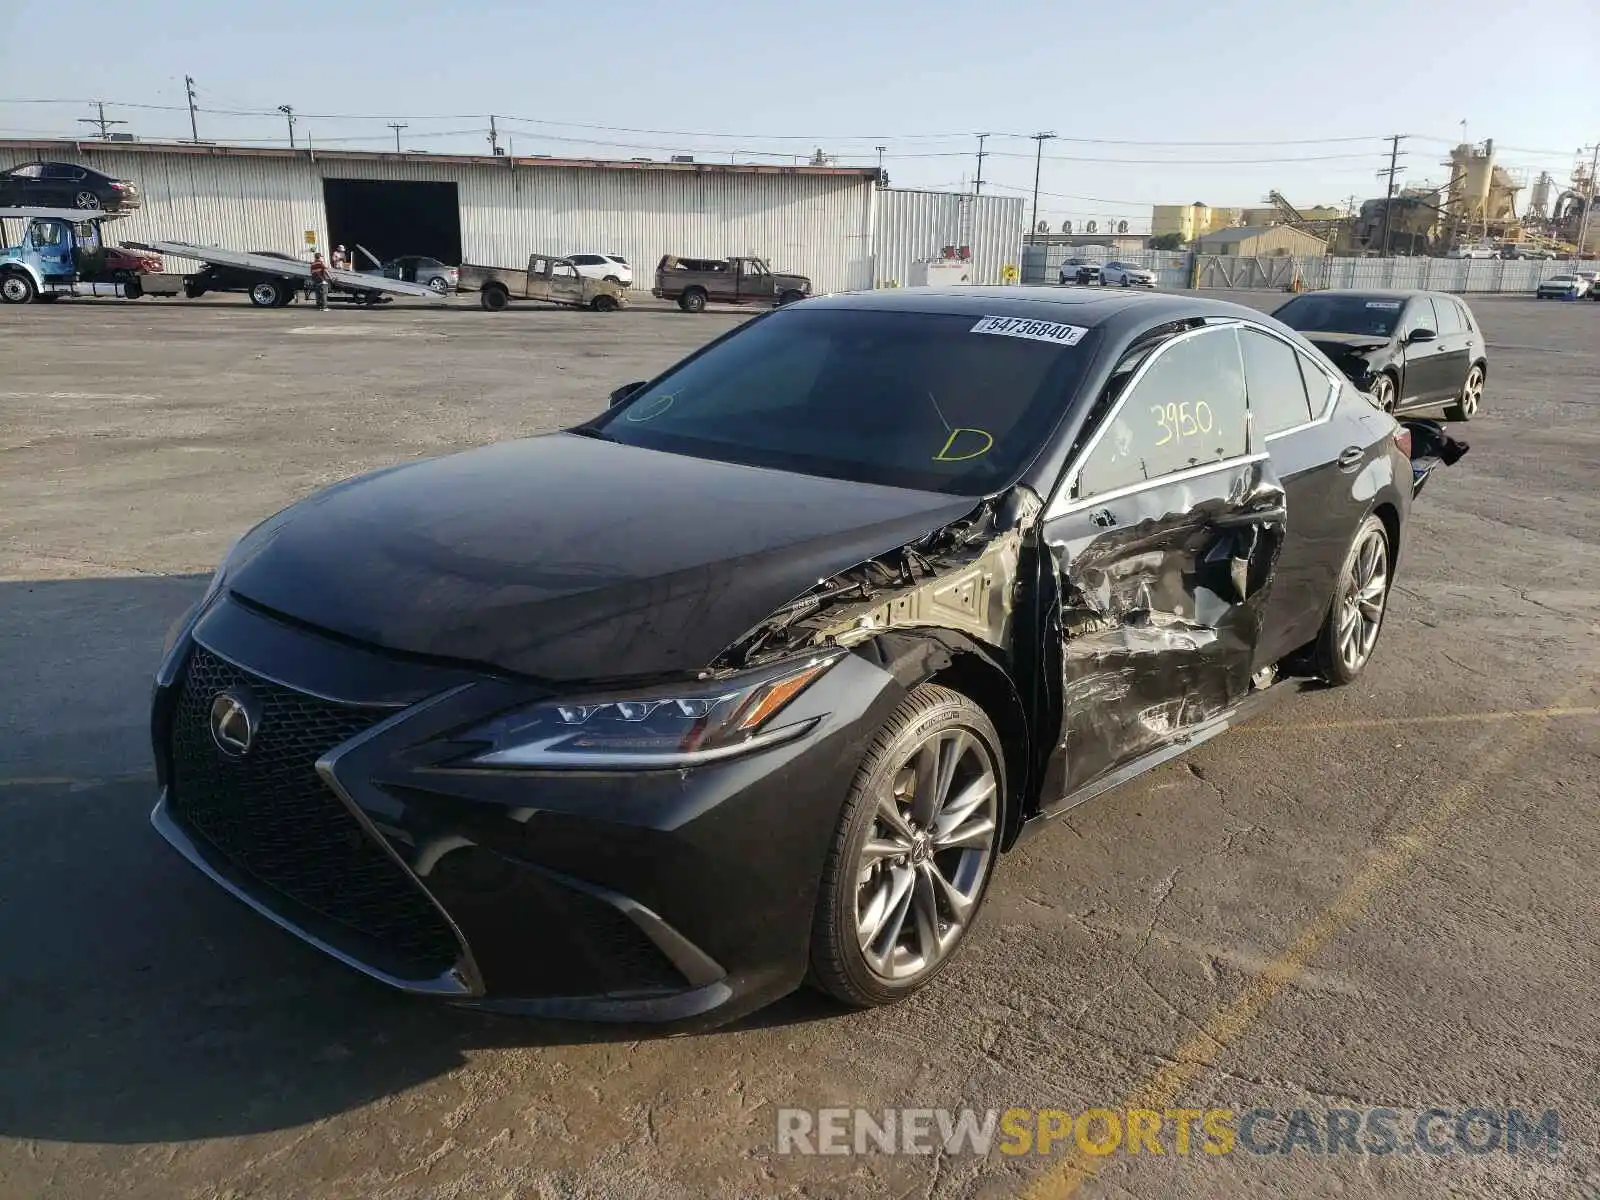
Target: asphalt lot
{"points": [[1379, 896]]}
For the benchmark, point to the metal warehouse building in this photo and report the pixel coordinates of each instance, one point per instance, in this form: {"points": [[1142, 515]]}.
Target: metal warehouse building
{"points": [[834, 224]]}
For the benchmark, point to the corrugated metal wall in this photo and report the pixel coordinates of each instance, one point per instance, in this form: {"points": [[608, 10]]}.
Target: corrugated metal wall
{"points": [[915, 225], [818, 225]]}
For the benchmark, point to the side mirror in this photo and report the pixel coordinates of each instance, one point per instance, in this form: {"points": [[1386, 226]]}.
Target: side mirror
{"points": [[626, 390], [1421, 335]]}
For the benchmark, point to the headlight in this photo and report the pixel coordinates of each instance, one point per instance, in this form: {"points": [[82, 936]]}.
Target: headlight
{"points": [[675, 726]]}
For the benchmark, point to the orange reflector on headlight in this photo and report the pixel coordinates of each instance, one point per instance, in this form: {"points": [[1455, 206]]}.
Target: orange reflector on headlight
{"points": [[767, 701]]}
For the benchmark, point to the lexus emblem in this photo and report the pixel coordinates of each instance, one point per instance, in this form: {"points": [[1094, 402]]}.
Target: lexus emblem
{"points": [[235, 720]]}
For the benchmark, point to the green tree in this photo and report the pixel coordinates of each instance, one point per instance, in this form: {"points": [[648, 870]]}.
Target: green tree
{"points": [[1167, 241]]}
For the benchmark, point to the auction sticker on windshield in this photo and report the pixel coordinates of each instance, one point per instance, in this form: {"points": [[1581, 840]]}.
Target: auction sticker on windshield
{"points": [[1389, 304], [1040, 331]]}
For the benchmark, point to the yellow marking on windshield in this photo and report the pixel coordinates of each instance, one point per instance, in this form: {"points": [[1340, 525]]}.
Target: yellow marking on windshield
{"points": [[955, 435], [651, 409]]}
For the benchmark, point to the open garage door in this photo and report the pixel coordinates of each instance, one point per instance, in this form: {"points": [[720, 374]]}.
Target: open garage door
{"points": [[391, 217]]}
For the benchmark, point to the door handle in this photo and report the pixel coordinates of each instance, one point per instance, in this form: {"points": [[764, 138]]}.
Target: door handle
{"points": [[1275, 514], [1349, 458]]}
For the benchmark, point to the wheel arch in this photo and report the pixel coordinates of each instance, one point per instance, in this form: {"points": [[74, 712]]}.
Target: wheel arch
{"points": [[956, 661], [1386, 512], [22, 268]]}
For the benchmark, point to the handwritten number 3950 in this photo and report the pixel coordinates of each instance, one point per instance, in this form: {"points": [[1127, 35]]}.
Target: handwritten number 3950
{"points": [[1179, 421]]}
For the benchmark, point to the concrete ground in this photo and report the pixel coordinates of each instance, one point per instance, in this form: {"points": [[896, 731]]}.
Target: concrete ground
{"points": [[1378, 896]]}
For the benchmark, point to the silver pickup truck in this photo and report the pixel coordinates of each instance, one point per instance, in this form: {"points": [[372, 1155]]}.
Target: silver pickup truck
{"points": [[549, 279]]}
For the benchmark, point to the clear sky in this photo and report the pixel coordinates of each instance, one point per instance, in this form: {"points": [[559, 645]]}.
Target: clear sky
{"points": [[1132, 81]]}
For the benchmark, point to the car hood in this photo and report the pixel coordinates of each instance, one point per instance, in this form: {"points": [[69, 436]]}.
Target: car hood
{"points": [[566, 558], [1346, 343], [783, 281]]}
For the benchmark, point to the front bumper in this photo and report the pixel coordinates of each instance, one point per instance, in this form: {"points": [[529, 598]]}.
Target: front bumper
{"points": [[682, 897]]}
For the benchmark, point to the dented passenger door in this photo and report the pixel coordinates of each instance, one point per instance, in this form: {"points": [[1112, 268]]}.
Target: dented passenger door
{"points": [[1161, 541]]}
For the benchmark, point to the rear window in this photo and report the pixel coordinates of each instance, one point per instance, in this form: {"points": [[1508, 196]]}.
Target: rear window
{"points": [[957, 404]]}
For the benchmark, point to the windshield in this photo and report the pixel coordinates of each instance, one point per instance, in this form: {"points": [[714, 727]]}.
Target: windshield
{"points": [[1378, 316], [957, 404]]}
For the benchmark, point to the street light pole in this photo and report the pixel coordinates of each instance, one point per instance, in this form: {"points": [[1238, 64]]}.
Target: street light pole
{"points": [[1039, 139]]}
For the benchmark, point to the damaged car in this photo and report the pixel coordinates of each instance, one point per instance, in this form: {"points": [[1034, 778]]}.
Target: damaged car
{"points": [[755, 677], [1409, 350]]}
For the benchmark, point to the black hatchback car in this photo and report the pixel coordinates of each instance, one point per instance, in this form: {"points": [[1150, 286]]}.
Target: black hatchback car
{"points": [[754, 677], [1410, 350], [65, 185]]}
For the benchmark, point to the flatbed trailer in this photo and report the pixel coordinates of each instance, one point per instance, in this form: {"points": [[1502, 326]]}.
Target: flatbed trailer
{"points": [[46, 264]]}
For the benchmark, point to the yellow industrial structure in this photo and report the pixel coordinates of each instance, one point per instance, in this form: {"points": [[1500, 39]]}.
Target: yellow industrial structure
{"points": [[1190, 221], [1260, 241]]}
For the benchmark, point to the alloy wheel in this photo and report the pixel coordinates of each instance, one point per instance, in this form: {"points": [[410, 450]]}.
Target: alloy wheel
{"points": [[923, 865], [439, 284], [86, 200], [1361, 607], [1383, 392], [1472, 393]]}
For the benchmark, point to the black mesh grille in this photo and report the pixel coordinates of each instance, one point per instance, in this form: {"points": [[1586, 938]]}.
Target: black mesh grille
{"points": [[270, 814]]}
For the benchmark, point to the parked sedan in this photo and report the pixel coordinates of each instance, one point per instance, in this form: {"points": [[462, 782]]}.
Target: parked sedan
{"points": [[611, 267], [65, 185], [1566, 286], [1408, 349], [756, 677], [1127, 275], [418, 268]]}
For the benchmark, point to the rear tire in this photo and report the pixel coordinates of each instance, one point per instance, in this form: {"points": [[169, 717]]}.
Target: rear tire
{"points": [[87, 201], [914, 851], [1360, 602], [132, 288], [268, 293], [1466, 407], [439, 285], [693, 300], [494, 299], [613, 279], [790, 298]]}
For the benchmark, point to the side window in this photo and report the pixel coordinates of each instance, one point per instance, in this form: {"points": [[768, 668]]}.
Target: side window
{"points": [[1319, 385], [62, 171], [1449, 315], [752, 270], [1272, 378], [31, 171], [1420, 315], [1188, 409], [539, 266], [1466, 314], [565, 271], [46, 233]]}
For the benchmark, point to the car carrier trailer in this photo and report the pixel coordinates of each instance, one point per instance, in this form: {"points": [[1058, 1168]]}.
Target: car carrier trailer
{"points": [[61, 252]]}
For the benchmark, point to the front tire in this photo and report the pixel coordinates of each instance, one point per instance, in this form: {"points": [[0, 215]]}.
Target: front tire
{"points": [[17, 288], [914, 851], [268, 293], [494, 299], [1355, 618], [1384, 392], [439, 285], [604, 304], [693, 301], [1466, 406]]}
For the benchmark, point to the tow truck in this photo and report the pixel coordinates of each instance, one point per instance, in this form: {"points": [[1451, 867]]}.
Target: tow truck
{"points": [[62, 252]]}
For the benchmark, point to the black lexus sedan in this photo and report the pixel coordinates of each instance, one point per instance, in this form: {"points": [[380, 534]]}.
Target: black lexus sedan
{"points": [[757, 675], [1410, 350], [66, 185]]}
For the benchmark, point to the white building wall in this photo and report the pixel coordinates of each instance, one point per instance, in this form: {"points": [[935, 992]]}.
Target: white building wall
{"points": [[821, 226], [915, 225]]}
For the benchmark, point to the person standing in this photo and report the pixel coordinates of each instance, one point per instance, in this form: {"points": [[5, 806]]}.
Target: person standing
{"points": [[319, 280], [341, 259]]}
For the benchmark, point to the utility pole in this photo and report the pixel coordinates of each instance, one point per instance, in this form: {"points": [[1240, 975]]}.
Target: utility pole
{"points": [[1039, 139], [494, 137], [194, 128], [880, 150], [977, 186], [397, 126], [1588, 203], [102, 120], [1388, 199], [288, 111]]}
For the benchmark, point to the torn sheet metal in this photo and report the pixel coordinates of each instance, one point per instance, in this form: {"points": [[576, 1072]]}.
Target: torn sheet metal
{"points": [[1159, 598]]}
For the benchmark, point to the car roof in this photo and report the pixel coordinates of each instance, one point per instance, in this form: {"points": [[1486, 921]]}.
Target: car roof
{"points": [[1075, 306], [1380, 293]]}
